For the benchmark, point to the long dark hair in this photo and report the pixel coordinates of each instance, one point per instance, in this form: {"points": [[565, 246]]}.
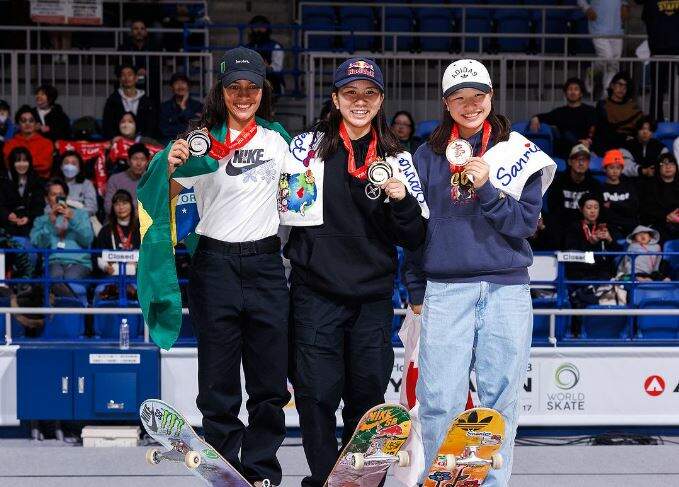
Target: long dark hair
{"points": [[124, 195], [80, 177], [387, 143], [500, 128], [214, 112], [13, 157]]}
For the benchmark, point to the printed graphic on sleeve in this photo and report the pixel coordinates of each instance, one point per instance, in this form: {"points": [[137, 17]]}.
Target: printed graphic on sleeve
{"points": [[296, 192]]}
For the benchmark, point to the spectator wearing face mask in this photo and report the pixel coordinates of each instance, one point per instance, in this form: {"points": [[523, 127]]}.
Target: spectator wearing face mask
{"points": [[54, 123], [22, 197], [28, 136], [269, 49], [176, 112], [138, 160], [121, 143], [128, 98], [81, 192]]}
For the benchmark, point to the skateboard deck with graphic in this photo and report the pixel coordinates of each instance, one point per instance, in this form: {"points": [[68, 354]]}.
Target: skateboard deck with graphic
{"points": [[375, 446], [469, 450], [168, 427]]}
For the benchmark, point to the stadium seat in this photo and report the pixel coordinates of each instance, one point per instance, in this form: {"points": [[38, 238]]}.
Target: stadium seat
{"points": [[672, 246], [596, 164], [357, 19], [510, 21], [544, 268], [476, 21], [65, 327], [601, 327], [667, 132], [655, 291], [541, 322], [107, 327], [556, 23], [658, 327], [399, 19], [560, 164], [319, 18], [425, 128], [434, 20], [544, 139]]}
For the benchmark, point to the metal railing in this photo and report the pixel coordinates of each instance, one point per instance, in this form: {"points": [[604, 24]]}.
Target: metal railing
{"points": [[86, 78], [523, 85]]}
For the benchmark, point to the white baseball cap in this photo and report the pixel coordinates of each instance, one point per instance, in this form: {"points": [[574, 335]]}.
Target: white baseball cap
{"points": [[466, 73]]}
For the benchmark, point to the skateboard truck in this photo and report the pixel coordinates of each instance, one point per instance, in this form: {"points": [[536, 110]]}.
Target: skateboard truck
{"points": [[472, 460], [359, 460]]}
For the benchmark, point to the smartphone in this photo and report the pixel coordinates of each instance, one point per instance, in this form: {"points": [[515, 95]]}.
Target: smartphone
{"points": [[61, 200]]}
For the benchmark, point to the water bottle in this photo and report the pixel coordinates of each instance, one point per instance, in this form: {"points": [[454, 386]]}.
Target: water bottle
{"points": [[124, 334]]}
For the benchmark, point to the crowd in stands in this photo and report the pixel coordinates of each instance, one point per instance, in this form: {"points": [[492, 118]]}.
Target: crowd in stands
{"points": [[73, 185]]}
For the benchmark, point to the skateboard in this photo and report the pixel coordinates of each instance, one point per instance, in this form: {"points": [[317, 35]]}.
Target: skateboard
{"points": [[469, 450], [373, 448], [168, 427]]}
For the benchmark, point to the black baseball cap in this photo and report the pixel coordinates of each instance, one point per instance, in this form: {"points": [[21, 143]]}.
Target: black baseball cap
{"points": [[242, 63], [358, 68]]}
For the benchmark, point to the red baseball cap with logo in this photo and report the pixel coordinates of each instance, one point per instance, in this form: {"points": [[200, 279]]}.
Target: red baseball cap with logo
{"points": [[613, 156]]}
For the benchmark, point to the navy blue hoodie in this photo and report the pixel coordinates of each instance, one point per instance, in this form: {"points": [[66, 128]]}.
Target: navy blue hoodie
{"points": [[472, 235]]}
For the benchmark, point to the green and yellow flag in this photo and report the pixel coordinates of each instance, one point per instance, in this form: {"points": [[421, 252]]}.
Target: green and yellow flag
{"points": [[158, 288]]}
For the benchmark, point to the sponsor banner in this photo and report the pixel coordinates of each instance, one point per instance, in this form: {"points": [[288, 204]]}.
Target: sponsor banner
{"points": [[563, 387], [73, 12]]}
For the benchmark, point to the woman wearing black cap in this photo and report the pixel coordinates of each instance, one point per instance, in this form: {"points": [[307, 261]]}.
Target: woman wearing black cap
{"points": [[238, 296], [368, 200]]}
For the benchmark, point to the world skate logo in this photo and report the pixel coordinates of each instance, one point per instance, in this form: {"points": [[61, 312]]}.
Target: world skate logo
{"points": [[566, 376]]}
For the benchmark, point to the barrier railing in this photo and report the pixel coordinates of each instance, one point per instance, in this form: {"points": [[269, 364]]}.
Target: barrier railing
{"points": [[87, 78], [523, 85], [561, 286]]}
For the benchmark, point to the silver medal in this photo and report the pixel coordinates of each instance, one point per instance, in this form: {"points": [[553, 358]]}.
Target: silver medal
{"points": [[458, 153], [379, 172], [199, 143], [372, 192]]}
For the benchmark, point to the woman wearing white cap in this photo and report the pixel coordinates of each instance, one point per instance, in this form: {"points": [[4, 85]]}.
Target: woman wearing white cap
{"points": [[476, 310]]}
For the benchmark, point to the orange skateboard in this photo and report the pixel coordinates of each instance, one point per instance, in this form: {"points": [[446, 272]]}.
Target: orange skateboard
{"points": [[374, 447], [469, 450]]}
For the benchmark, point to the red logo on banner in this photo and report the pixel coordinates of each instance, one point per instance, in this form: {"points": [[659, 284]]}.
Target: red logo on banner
{"points": [[654, 385]]}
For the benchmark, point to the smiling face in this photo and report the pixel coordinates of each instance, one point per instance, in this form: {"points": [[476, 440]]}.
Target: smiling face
{"points": [[469, 107], [358, 102], [242, 100], [122, 209]]}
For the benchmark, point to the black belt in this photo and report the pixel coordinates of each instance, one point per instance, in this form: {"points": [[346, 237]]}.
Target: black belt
{"points": [[268, 245]]}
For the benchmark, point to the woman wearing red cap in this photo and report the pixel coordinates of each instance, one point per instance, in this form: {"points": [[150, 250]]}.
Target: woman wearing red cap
{"points": [[367, 200]]}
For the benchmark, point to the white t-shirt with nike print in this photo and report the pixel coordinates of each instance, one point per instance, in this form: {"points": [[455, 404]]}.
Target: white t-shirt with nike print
{"points": [[237, 203]]}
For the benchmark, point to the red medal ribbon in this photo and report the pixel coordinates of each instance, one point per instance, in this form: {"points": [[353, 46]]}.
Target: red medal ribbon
{"points": [[455, 134], [219, 150], [362, 172], [125, 242]]}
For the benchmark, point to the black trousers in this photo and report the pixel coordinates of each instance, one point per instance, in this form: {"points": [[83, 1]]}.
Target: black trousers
{"points": [[663, 75], [238, 297], [342, 350]]}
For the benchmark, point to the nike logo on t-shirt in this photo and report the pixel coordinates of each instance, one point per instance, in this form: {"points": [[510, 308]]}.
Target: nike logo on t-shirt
{"points": [[244, 160]]}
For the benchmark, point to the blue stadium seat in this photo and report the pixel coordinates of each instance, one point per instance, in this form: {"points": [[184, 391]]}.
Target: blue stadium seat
{"points": [[560, 164], [672, 246], [655, 291], [556, 23], [610, 327], [577, 24], [399, 19], [477, 21], [543, 139], [541, 322], [357, 19], [658, 327], [25, 243], [667, 132], [319, 18], [668, 140], [435, 20], [510, 21], [65, 327], [425, 128], [596, 164], [107, 327], [521, 126]]}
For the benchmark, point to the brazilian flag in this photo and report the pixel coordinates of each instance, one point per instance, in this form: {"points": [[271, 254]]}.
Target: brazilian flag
{"points": [[161, 228]]}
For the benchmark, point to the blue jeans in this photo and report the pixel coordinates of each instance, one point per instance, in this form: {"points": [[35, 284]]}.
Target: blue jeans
{"points": [[477, 325]]}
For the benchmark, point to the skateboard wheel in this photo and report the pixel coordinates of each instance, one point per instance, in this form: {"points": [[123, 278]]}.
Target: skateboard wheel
{"points": [[356, 460], [403, 459], [192, 460], [451, 461], [266, 483], [153, 456], [496, 461]]}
